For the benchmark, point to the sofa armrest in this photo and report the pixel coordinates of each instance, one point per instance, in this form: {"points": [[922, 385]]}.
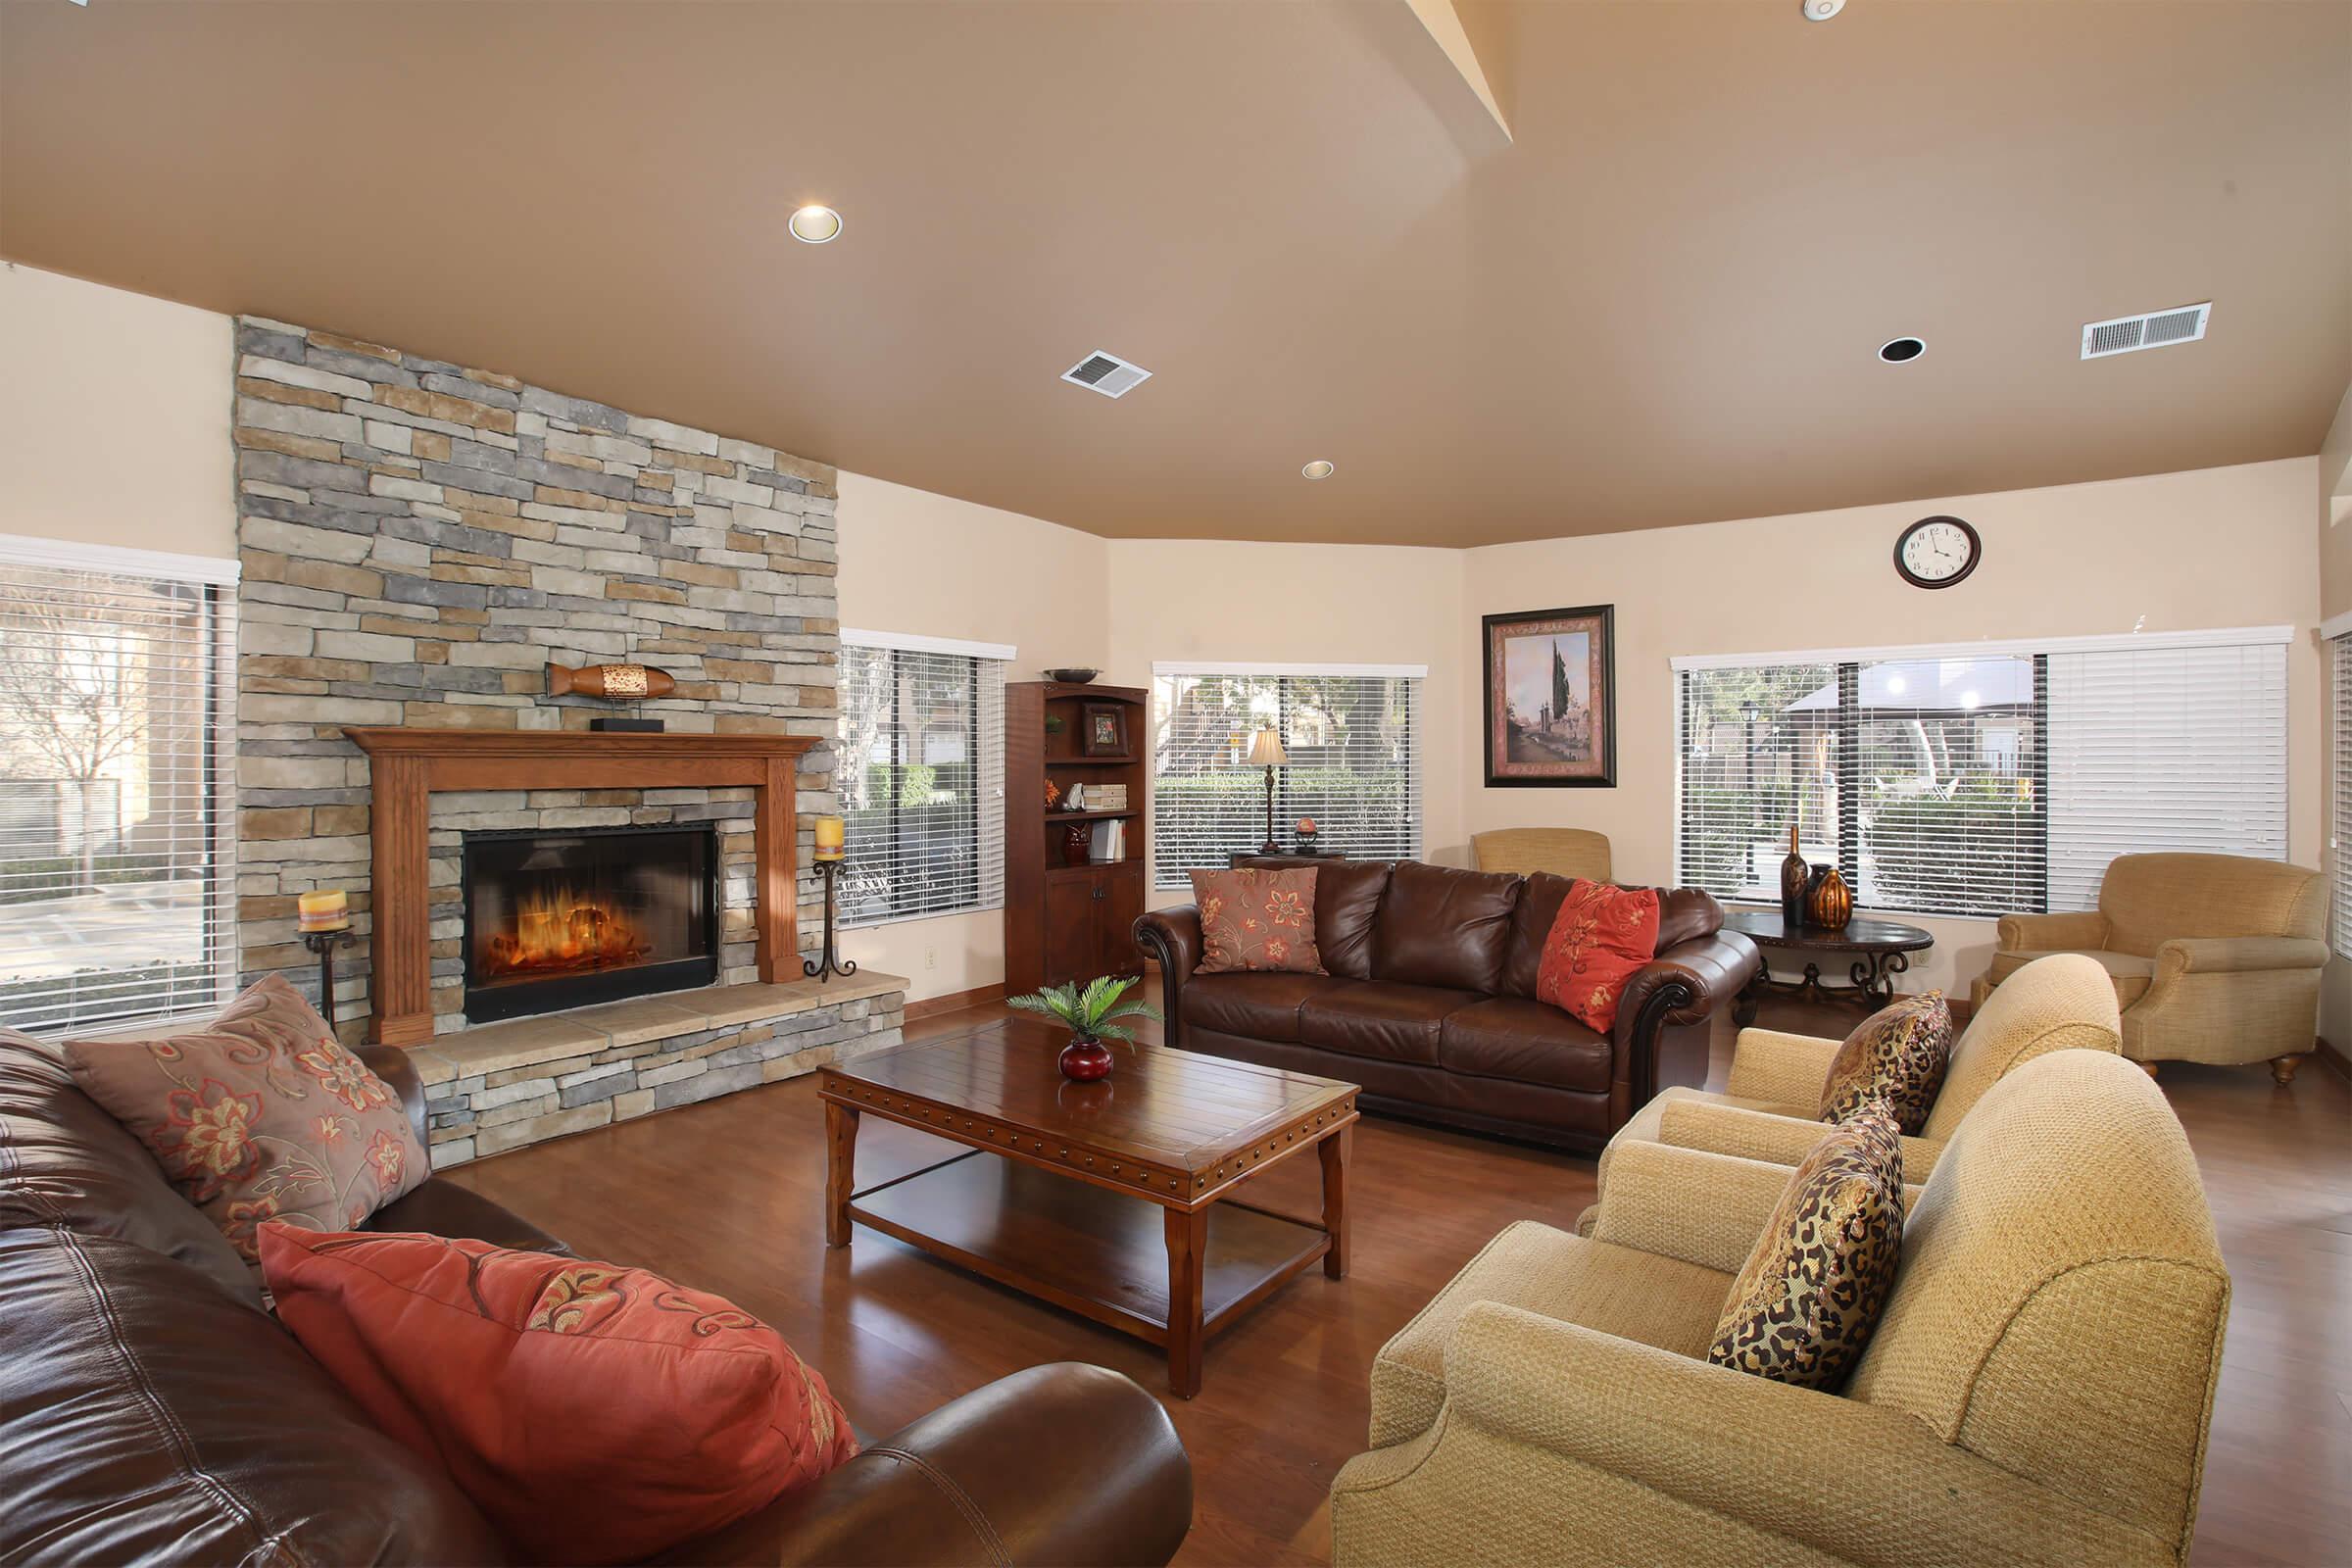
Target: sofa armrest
{"points": [[2238, 955], [391, 1064], [1703, 1208], [1778, 1457], [2080, 930], [1744, 1133], [1780, 1069], [1683, 985], [1172, 937], [1065, 1463]]}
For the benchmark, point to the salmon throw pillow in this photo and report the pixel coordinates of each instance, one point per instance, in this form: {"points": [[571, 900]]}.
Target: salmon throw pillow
{"points": [[595, 1413], [1256, 918], [259, 1115], [1603, 935]]}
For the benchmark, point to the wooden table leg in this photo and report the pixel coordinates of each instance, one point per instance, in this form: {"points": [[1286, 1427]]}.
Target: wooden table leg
{"points": [[1187, 1253], [1334, 1150], [841, 1170]]}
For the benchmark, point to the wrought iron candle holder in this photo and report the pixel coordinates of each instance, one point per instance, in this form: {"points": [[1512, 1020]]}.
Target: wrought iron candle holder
{"points": [[830, 962], [324, 943]]}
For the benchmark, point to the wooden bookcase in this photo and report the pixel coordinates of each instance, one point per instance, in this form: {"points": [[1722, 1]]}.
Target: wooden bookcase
{"points": [[1064, 919]]}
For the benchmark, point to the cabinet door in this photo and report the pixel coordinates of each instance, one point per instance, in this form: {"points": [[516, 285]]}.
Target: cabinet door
{"points": [[1071, 927], [1121, 905]]}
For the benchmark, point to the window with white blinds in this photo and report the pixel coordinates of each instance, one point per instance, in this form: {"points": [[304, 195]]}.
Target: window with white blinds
{"points": [[118, 772], [1984, 780], [922, 782], [2341, 803], [1354, 743]]}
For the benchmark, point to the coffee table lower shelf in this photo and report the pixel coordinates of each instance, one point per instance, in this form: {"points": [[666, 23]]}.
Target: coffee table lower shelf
{"points": [[1099, 1253]]}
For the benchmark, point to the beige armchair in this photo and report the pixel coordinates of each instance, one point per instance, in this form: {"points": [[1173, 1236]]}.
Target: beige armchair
{"points": [[2038, 1388], [2213, 957], [1770, 1109], [1561, 850]]}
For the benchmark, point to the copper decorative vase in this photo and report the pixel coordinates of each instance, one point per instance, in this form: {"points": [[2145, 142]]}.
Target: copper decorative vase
{"points": [[1085, 1060], [1831, 904]]}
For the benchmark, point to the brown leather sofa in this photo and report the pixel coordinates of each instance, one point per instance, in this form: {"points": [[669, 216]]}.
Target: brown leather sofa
{"points": [[150, 1410], [1430, 1001]]}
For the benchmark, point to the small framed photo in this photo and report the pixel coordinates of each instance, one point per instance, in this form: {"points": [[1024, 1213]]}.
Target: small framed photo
{"points": [[1103, 730], [1551, 697]]}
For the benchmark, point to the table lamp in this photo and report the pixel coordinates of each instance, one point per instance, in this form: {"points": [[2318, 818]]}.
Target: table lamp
{"points": [[1266, 751]]}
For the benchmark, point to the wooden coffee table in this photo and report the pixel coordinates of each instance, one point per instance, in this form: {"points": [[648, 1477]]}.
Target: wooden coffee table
{"points": [[1066, 1209], [1880, 951]]}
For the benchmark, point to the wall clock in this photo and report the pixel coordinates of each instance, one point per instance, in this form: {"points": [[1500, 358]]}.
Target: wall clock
{"points": [[1936, 552]]}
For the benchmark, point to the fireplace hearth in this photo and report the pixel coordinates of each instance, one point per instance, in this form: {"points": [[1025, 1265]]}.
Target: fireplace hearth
{"points": [[567, 918]]}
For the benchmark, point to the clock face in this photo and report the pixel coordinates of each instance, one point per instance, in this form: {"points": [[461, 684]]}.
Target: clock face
{"points": [[1936, 552]]}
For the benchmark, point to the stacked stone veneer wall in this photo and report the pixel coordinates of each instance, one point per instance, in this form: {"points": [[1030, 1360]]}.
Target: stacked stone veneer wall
{"points": [[420, 539]]}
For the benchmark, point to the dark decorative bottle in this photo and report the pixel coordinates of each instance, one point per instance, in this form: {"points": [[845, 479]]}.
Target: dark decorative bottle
{"points": [[1793, 872]]}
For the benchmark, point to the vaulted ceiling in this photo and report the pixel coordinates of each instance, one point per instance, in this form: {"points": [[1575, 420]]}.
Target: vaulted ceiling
{"points": [[1655, 300]]}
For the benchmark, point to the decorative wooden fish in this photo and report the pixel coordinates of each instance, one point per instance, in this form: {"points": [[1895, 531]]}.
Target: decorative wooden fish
{"points": [[618, 682]]}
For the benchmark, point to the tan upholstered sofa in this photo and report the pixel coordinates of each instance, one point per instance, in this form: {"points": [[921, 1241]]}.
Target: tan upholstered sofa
{"points": [[2214, 957], [1769, 1110], [1561, 850], [2038, 1388]]}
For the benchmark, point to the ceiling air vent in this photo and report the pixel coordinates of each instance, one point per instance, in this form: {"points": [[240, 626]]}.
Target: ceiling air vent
{"points": [[1106, 374], [2127, 334]]}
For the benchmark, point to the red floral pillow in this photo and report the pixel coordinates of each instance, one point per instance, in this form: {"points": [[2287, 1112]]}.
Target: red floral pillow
{"points": [[259, 1114], [1256, 918], [1601, 937], [596, 1413]]}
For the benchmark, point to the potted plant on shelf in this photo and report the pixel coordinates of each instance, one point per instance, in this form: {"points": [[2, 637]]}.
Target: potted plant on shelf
{"points": [[1091, 1016]]}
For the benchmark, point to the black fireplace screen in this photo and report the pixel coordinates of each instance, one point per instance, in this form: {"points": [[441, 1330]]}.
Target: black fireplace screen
{"points": [[564, 920]]}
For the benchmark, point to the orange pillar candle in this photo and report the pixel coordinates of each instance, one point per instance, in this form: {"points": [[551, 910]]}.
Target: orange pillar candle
{"points": [[327, 909], [829, 838]]}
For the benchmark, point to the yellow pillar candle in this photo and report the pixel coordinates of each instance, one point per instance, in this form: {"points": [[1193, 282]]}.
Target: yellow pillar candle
{"points": [[829, 838], [327, 909]]}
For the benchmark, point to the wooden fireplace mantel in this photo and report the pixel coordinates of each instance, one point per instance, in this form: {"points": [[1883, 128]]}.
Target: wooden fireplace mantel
{"points": [[406, 767]]}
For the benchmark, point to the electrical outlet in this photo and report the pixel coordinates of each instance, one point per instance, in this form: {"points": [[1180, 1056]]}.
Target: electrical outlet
{"points": [[930, 958]]}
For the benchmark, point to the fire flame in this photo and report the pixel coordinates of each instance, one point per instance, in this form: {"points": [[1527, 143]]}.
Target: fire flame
{"points": [[559, 928]]}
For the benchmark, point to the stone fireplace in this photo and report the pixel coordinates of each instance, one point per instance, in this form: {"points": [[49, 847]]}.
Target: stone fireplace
{"points": [[568, 918]]}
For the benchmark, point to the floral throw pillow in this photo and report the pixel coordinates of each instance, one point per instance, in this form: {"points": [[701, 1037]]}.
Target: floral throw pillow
{"points": [[259, 1115], [1897, 1055], [1603, 935], [1809, 1296], [1256, 918]]}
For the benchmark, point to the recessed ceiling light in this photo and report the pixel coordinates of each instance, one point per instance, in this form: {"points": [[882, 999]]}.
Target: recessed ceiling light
{"points": [[816, 225], [1317, 469], [1822, 10], [1902, 350]]}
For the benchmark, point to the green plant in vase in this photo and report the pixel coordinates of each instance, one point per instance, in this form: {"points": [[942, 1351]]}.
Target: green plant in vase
{"points": [[1092, 1016]]}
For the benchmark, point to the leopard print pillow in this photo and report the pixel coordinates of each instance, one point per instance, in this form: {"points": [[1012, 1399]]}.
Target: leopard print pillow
{"points": [[1896, 1055], [1809, 1294]]}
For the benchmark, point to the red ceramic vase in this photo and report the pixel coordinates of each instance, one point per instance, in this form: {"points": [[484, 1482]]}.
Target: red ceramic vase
{"points": [[1085, 1060]]}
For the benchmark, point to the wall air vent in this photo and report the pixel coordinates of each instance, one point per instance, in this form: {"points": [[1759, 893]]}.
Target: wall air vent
{"points": [[2157, 329], [1106, 374]]}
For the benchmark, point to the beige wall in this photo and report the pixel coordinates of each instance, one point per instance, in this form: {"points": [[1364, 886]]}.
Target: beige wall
{"points": [[1226, 602], [114, 417], [914, 562], [2219, 547]]}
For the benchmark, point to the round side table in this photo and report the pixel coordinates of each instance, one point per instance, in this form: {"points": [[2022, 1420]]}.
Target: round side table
{"points": [[1875, 951]]}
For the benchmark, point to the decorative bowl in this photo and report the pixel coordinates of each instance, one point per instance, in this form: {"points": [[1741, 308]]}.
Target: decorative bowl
{"points": [[1072, 677]]}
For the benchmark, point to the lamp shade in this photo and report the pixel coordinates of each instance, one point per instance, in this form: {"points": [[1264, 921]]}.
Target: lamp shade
{"points": [[1266, 749]]}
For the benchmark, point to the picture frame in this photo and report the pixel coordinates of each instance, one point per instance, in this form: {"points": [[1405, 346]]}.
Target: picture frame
{"points": [[1102, 730], [1550, 705]]}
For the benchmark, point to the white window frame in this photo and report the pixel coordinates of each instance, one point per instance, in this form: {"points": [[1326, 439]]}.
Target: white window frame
{"points": [[2336, 633], [94, 1006], [989, 662], [1171, 870]]}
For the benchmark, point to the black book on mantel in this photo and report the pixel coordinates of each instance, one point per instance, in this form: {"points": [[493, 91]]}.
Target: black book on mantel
{"points": [[626, 726]]}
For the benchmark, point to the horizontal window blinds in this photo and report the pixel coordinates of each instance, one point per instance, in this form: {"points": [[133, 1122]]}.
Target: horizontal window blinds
{"points": [[2340, 803], [922, 783], [117, 821], [1968, 782], [1354, 765]]}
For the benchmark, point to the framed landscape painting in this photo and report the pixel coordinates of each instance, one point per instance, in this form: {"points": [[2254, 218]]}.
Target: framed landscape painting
{"points": [[1552, 697]]}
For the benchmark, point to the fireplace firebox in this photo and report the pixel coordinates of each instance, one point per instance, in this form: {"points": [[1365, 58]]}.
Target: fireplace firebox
{"points": [[570, 918]]}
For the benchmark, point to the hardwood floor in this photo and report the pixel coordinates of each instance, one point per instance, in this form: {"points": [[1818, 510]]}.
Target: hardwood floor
{"points": [[729, 1196]]}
